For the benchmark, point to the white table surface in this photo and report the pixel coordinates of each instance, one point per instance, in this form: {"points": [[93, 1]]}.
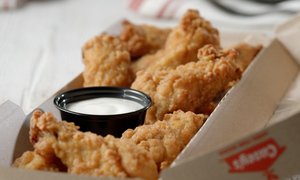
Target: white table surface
{"points": [[40, 44]]}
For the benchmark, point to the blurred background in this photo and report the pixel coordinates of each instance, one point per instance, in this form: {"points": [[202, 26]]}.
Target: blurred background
{"points": [[41, 40]]}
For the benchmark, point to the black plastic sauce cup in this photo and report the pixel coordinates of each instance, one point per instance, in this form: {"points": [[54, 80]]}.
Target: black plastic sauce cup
{"points": [[114, 124]]}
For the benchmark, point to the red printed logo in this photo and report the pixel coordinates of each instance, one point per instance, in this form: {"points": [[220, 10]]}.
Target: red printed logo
{"points": [[256, 158]]}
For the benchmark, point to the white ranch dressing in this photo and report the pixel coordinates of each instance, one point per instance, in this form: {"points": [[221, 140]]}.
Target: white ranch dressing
{"points": [[104, 106]]}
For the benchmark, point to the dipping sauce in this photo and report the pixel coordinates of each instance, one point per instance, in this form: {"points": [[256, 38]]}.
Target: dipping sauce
{"points": [[103, 110], [104, 106]]}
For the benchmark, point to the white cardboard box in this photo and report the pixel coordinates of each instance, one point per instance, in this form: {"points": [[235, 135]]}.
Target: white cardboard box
{"points": [[240, 140]]}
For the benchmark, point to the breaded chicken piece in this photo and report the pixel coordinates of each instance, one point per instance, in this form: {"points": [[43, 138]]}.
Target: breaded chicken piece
{"points": [[76, 150], [87, 153], [165, 139], [136, 161], [187, 123], [181, 47], [32, 160], [189, 87], [143, 39], [247, 53], [141, 152], [107, 62]]}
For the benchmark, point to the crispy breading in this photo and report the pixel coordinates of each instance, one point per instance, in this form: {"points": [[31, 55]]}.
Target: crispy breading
{"points": [[107, 62], [135, 160], [141, 152], [165, 139], [143, 39], [90, 154], [189, 87], [187, 123], [246, 54], [32, 160], [183, 42]]}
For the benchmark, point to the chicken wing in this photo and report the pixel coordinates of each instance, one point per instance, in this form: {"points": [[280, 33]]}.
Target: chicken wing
{"points": [[182, 44], [189, 87], [107, 62], [143, 39], [165, 139]]}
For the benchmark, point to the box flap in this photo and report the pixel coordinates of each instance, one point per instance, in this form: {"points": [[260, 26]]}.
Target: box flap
{"points": [[11, 122], [289, 104], [262, 155], [288, 34]]}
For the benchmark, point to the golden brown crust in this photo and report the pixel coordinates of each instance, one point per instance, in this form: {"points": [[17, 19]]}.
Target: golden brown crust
{"points": [[143, 39], [141, 152], [165, 139], [85, 152], [107, 62], [135, 160], [189, 87], [33, 160], [181, 47]]}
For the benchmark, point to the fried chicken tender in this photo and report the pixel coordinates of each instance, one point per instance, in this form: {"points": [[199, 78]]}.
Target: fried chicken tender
{"points": [[181, 47], [143, 39], [32, 160], [136, 161], [87, 153], [189, 87], [107, 62], [165, 139], [246, 54]]}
